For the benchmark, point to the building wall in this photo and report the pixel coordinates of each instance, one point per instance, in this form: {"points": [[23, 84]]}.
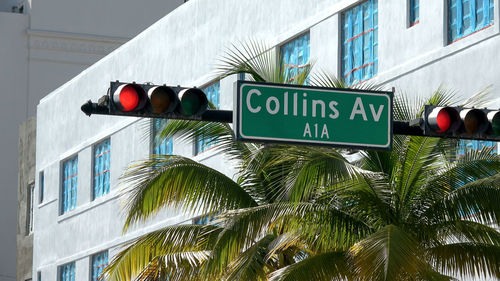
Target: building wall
{"points": [[27, 141], [416, 60], [41, 48], [13, 81]]}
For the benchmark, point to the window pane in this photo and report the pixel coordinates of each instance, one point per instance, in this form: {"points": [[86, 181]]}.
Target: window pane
{"points": [[69, 188], [161, 146], [101, 168], [359, 31], [213, 95], [295, 56], [99, 261], [468, 16]]}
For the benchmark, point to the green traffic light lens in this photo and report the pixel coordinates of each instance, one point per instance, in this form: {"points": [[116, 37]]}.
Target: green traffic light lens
{"points": [[193, 102], [495, 123]]}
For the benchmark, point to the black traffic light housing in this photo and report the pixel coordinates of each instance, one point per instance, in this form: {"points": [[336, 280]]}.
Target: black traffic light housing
{"points": [[160, 100], [155, 101], [461, 122]]}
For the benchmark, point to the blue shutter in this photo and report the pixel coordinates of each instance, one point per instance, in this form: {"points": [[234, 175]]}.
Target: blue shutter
{"points": [[69, 188], [67, 272], [294, 56], [468, 16], [101, 168], [99, 261], [360, 42], [414, 12], [213, 95], [160, 145]]}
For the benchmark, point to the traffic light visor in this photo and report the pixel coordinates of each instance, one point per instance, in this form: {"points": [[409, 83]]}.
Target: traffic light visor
{"points": [[129, 97], [193, 101], [163, 99], [443, 119], [494, 118], [475, 121]]}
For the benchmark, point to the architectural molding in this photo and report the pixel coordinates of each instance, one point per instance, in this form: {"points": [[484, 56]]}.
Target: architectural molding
{"points": [[73, 42]]}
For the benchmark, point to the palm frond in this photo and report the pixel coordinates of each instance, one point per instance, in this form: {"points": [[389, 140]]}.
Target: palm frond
{"points": [[178, 244], [388, 254], [179, 182], [467, 259], [331, 266], [250, 264]]}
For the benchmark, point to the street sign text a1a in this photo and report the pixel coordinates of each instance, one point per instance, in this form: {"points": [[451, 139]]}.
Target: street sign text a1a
{"points": [[266, 112]]}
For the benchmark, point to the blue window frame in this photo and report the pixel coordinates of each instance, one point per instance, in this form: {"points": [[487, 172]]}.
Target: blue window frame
{"points": [[99, 261], [213, 96], [414, 12], [295, 55], [70, 184], [360, 42], [470, 145], [468, 16], [161, 145], [102, 155], [67, 272], [41, 183]]}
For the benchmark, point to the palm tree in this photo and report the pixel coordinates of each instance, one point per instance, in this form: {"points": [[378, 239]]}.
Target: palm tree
{"points": [[307, 213]]}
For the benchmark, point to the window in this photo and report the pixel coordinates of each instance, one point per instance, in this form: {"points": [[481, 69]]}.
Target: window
{"points": [[470, 145], [414, 12], [161, 145], [360, 42], [67, 272], [39, 276], [69, 187], [29, 213], [468, 16], [294, 56], [101, 168], [99, 261], [41, 183], [213, 94]]}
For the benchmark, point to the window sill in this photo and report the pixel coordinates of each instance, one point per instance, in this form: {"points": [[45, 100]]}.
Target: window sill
{"points": [[208, 153], [88, 206], [43, 204]]}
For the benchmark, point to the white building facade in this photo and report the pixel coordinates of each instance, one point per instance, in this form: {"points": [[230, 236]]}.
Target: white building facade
{"points": [[44, 44], [413, 46]]}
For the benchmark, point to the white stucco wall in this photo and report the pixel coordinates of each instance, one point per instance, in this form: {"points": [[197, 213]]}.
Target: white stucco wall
{"points": [[51, 42], [182, 49], [13, 88]]}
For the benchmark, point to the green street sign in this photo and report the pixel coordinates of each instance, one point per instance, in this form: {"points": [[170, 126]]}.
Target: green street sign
{"points": [[277, 113]]}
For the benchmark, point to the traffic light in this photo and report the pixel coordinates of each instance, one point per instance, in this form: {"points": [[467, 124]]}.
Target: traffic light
{"points": [[460, 122], [147, 99]]}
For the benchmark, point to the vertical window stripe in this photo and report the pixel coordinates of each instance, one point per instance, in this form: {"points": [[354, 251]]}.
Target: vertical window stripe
{"points": [[102, 155], [468, 16], [213, 96], [414, 12], [67, 272], [69, 188], [99, 261], [160, 145], [294, 56], [360, 42]]}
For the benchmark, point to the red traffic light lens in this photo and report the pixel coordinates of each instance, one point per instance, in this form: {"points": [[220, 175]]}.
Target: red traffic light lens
{"points": [[443, 121], [129, 98]]}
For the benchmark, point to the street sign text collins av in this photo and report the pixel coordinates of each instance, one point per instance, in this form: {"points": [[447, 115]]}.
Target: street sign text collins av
{"points": [[312, 115]]}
